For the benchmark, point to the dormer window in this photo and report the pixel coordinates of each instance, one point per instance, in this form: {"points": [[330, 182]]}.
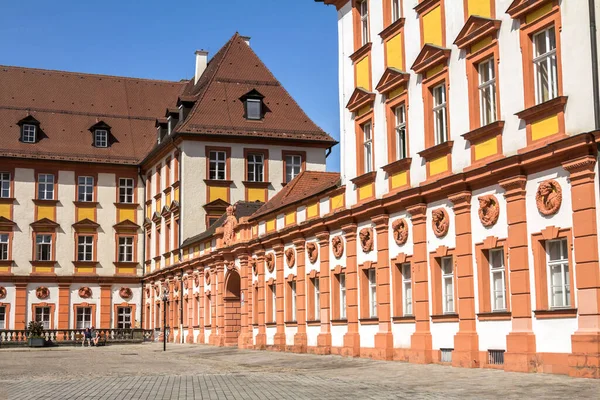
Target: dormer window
{"points": [[254, 106], [101, 138], [29, 133]]}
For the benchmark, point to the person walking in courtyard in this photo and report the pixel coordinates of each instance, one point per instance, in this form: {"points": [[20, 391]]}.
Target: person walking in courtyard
{"points": [[87, 335]]}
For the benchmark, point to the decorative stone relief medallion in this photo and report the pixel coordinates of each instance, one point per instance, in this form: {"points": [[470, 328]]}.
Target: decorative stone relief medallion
{"points": [[337, 244], [156, 289], [125, 293], [42, 292], [253, 265], [290, 257], [400, 231], [312, 251], [147, 291], [366, 239], [207, 276], [548, 197], [440, 222], [270, 260], [489, 210], [85, 292], [2, 292], [229, 226]]}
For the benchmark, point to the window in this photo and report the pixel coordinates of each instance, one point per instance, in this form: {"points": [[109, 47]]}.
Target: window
{"points": [[212, 219], [85, 248], [558, 273], [29, 133], [372, 293], [395, 10], [255, 167], [123, 317], [400, 113], [293, 302], [253, 109], [126, 249], [125, 190], [497, 279], [368, 147], [544, 62], [487, 91], [342, 280], [3, 246], [447, 285], [84, 317], [217, 165], [364, 21], [3, 317], [101, 138], [273, 303], [407, 289], [4, 185], [46, 187], [440, 117], [42, 314], [43, 244], [85, 188], [293, 166], [317, 299]]}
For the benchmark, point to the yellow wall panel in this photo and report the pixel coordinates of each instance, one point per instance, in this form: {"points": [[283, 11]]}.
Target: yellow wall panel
{"points": [[486, 148], [481, 44], [438, 165], [540, 12], [176, 195], [4, 268], [270, 225], [337, 202], [5, 211], [44, 269], [45, 212], [256, 194], [365, 191], [399, 179], [431, 72], [480, 7], [290, 218], [207, 246], [432, 27], [393, 48], [217, 192], [83, 213], [168, 200], [126, 214], [312, 210], [159, 205], [362, 74], [363, 111], [396, 92], [544, 127]]}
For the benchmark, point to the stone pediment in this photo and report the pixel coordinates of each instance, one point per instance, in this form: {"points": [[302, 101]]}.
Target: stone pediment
{"points": [[430, 56], [476, 28], [392, 79], [359, 99]]}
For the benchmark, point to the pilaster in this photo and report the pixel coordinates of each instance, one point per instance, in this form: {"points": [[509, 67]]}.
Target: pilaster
{"points": [[324, 338], [352, 337], [384, 339], [300, 338]]}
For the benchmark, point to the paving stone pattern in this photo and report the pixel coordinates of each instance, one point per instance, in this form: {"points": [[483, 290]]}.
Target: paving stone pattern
{"points": [[205, 372]]}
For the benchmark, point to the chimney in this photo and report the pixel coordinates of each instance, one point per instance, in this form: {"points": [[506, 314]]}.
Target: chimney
{"points": [[201, 62], [246, 39]]}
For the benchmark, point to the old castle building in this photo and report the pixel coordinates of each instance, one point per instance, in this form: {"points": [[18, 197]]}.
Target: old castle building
{"points": [[463, 226]]}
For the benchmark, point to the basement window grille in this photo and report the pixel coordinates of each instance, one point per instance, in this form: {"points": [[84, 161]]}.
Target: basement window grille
{"points": [[496, 357], [446, 355]]}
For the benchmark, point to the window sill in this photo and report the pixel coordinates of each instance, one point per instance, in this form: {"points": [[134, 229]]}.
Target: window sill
{"points": [[291, 323], [80, 264], [361, 52], [218, 182], [484, 132], [495, 316], [167, 190], [437, 151], [271, 324], [369, 321], [392, 29], [556, 313], [407, 319], [125, 264], [132, 206], [158, 196], [545, 109], [364, 179], [444, 318], [256, 185], [313, 322], [39, 202], [397, 166], [86, 204], [7, 200], [336, 322], [37, 263], [209, 326]]}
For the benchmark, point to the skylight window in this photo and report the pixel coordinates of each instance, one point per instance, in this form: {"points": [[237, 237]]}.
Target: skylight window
{"points": [[253, 109]]}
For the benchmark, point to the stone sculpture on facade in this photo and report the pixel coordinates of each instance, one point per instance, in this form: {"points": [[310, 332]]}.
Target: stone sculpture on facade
{"points": [[290, 257], [312, 251], [42, 292], [2, 292], [548, 197], [489, 210], [253, 265], [440, 222], [125, 293], [270, 261], [229, 226], [337, 244], [366, 239], [85, 292], [400, 231]]}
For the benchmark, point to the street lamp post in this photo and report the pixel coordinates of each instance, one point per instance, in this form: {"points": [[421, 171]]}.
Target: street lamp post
{"points": [[165, 298]]}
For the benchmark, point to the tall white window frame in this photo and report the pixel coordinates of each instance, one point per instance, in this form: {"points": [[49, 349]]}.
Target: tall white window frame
{"points": [[46, 186], [3, 318], [440, 114], [293, 299], [126, 249], [447, 266], [124, 317], [364, 21], [85, 188], [342, 279], [29, 133], [293, 166], [100, 138], [256, 165], [317, 299], [545, 65], [367, 129], [407, 306], [217, 165], [372, 277], [4, 185], [396, 10], [401, 147], [497, 279], [84, 317], [4, 246], [126, 187], [273, 302], [85, 248], [43, 247], [42, 314], [559, 279], [487, 91]]}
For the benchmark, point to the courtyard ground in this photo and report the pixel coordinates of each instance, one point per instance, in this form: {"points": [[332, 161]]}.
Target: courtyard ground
{"points": [[206, 372]]}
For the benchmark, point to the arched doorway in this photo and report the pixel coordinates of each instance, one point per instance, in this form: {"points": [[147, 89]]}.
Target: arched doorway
{"points": [[232, 307]]}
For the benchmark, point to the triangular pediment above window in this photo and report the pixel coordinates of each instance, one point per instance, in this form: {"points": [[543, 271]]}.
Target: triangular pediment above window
{"points": [[6, 224], [166, 211], [430, 56], [126, 226], [100, 125], [29, 119], [359, 99], [156, 217], [218, 205], [44, 224], [476, 28], [85, 224], [520, 8], [392, 79], [253, 94]]}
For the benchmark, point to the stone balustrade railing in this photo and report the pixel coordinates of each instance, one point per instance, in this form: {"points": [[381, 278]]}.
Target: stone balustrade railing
{"points": [[64, 336]]}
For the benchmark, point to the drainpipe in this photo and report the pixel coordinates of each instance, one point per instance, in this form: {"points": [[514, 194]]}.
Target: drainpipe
{"points": [[178, 150], [594, 54], [142, 308]]}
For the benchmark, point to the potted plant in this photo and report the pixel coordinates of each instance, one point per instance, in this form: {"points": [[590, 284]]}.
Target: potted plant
{"points": [[35, 331]]}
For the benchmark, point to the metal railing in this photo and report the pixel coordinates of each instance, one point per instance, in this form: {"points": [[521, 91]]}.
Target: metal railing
{"points": [[66, 336], [496, 357]]}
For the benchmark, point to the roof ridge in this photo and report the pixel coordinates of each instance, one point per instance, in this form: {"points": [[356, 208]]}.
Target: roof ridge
{"points": [[87, 74]]}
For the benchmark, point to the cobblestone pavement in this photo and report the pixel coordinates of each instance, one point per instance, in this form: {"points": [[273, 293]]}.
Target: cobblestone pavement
{"points": [[205, 372]]}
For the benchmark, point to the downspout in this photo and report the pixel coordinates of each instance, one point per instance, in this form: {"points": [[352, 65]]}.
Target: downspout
{"points": [[178, 150], [594, 54], [142, 309]]}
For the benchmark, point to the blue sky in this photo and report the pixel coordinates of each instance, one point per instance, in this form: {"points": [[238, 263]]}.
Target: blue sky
{"points": [[296, 39]]}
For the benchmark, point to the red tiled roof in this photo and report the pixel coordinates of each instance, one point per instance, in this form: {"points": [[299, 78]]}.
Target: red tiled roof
{"points": [[67, 104], [303, 186]]}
